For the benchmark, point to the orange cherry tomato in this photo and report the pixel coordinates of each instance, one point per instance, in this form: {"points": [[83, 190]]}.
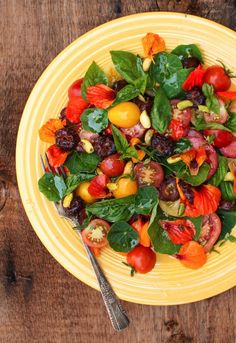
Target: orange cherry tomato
{"points": [[125, 115], [83, 193], [125, 187]]}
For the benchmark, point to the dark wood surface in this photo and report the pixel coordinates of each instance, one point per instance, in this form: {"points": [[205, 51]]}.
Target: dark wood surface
{"points": [[39, 300]]}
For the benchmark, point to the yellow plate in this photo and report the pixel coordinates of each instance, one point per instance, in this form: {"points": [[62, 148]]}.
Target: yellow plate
{"points": [[169, 283]]}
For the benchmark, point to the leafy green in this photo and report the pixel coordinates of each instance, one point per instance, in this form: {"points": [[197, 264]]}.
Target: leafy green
{"points": [[211, 100], [173, 85], [73, 181], [93, 76], [52, 186], [189, 50], [182, 145], [197, 222], [82, 162], [221, 171], [227, 190], [125, 94], [228, 220], [122, 145], [130, 68], [122, 237], [164, 66], [145, 200], [196, 180], [161, 111], [94, 119], [231, 122], [113, 209]]}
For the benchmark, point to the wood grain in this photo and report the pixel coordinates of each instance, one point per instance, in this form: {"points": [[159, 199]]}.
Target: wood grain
{"points": [[39, 300]]}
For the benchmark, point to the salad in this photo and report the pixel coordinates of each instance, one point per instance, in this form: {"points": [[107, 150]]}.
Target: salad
{"points": [[149, 153]]}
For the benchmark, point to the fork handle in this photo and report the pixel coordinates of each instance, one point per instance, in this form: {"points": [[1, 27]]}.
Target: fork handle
{"points": [[116, 313]]}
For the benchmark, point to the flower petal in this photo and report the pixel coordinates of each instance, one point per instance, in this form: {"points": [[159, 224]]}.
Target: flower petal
{"points": [[100, 96], [152, 44]]}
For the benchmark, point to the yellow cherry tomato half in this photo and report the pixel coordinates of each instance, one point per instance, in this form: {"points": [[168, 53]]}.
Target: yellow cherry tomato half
{"points": [[125, 115], [83, 193], [125, 187]]}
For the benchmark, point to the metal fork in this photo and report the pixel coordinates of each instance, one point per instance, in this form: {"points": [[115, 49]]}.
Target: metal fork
{"points": [[116, 313]]}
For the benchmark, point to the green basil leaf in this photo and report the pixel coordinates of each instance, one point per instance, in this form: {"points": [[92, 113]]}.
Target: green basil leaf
{"points": [[73, 181], [94, 76], [227, 190], [159, 237], [221, 171], [231, 122], [113, 210], [52, 186], [129, 153], [82, 162], [182, 145], [122, 145], [196, 180], [197, 222], [228, 220], [164, 66], [129, 66], [189, 50], [173, 85], [145, 200], [122, 237], [94, 119], [161, 111], [211, 100], [127, 93]]}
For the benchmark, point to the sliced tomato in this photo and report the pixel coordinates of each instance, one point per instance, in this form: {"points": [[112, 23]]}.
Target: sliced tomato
{"points": [[195, 138], [210, 231], [135, 131], [141, 259], [222, 138], [112, 165], [75, 88], [97, 187], [150, 173], [221, 118], [229, 150], [180, 231], [180, 123], [95, 234]]}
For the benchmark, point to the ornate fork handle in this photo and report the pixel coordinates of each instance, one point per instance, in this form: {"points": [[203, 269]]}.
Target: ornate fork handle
{"points": [[116, 313]]}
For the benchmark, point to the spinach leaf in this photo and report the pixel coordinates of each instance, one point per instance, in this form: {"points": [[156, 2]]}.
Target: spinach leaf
{"points": [[122, 145], [159, 237], [227, 190], [164, 66], [94, 76], [182, 145], [189, 50], [221, 171], [173, 85], [113, 209], [82, 162], [122, 237], [196, 180], [200, 124], [145, 200], [73, 181], [130, 68], [125, 94], [197, 222], [231, 122], [211, 100], [52, 186], [94, 119], [228, 220], [161, 111]]}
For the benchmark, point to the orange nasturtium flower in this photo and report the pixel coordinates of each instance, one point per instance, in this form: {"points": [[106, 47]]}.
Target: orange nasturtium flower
{"points": [[152, 44], [100, 96], [48, 130], [194, 158]]}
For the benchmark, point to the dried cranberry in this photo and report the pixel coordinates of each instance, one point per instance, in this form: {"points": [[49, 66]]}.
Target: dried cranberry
{"points": [[187, 190], [190, 62], [168, 190], [228, 205], [144, 106], [196, 96], [164, 146], [66, 138], [118, 85], [76, 206], [104, 146]]}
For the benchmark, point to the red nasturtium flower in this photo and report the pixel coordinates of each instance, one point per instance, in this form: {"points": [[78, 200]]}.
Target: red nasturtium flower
{"points": [[152, 44], [180, 231], [48, 130], [227, 96], [194, 158], [75, 107], [195, 78], [101, 96], [56, 156]]}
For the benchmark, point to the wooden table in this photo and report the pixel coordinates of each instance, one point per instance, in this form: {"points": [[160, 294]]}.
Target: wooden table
{"points": [[39, 300]]}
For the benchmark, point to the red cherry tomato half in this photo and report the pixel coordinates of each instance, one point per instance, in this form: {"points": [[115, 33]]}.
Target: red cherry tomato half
{"points": [[142, 259], [112, 165], [149, 174], [95, 234], [218, 78], [210, 231], [135, 131], [222, 138], [97, 187], [75, 88]]}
